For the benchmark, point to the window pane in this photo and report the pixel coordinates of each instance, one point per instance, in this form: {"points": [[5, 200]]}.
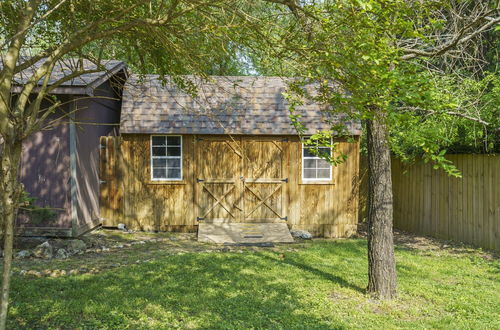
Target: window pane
{"points": [[321, 163], [173, 151], [174, 162], [309, 174], [308, 153], [174, 140], [158, 140], [327, 151], [159, 162], [309, 163], [323, 174], [159, 151], [159, 173], [174, 173]]}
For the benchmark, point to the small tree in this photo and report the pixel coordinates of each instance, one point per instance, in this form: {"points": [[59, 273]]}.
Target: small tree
{"points": [[165, 36]]}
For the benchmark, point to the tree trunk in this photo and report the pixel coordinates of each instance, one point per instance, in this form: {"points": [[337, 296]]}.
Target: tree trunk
{"points": [[10, 193], [381, 262]]}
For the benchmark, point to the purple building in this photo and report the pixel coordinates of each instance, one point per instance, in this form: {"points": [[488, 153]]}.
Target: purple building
{"points": [[60, 164]]}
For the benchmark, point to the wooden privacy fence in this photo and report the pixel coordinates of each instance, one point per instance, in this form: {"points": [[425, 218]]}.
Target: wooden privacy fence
{"points": [[429, 202]]}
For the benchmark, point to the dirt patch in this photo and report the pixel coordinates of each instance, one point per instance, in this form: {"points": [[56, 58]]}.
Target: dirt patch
{"points": [[411, 241]]}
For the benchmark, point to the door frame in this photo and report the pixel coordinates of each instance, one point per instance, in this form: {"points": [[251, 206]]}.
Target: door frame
{"points": [[238, 144]]}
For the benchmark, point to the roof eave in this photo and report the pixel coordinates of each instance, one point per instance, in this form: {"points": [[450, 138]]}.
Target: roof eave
{"points": [[89, 90], [80, 90]]}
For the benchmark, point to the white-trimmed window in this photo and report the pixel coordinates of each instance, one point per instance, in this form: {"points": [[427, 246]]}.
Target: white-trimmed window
{"points": [[315, 168], [166, 157]]}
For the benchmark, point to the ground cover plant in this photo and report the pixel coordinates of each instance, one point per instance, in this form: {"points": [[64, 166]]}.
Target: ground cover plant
{"points": [[171, 281]]}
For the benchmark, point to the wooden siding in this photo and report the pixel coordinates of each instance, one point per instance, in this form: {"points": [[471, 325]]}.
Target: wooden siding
{"points": [[429, 202], [227, 179]]}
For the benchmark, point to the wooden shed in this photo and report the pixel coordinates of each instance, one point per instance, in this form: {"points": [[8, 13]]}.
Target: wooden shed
{"points": [[229, 154]]}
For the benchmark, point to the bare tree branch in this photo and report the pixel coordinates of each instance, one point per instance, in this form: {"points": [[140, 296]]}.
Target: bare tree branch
{"points": [[479, 25]]}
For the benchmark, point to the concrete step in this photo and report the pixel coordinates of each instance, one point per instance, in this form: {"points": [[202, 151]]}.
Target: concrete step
{"points": [[234, 233]]}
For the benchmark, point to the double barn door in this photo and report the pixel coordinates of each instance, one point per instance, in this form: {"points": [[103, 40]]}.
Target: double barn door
{"points": [[240, 179]]}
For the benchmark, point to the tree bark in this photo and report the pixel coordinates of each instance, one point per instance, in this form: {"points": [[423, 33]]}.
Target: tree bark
{"points": [[10, 160], [381, 262]]}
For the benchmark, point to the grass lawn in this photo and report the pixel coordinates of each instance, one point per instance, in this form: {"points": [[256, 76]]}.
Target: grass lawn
{"points": [[318, 284]]}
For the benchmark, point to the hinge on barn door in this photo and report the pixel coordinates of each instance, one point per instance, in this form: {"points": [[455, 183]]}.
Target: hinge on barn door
{"points": [[199, 218], [284, 218], [285, 180], [102, 181], [199, 180]]}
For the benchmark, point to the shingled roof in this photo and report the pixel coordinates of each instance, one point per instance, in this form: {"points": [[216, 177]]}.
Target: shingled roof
{"points": [[223, 105], [83, 84]]}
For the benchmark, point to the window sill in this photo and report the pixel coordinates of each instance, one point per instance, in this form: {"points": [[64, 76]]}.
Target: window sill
{"points": [[167, 182], [316, 183]]}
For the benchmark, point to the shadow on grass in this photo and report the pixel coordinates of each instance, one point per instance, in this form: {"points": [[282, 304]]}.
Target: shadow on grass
{"points": [[319, 273], [204, 290]]}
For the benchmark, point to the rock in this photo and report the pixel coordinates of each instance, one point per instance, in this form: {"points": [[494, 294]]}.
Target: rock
{"points": [[138, 242], [118, 246], [23, 254], [22, 272], [44, 250], [121, 226], [55, 273], [105, 249], [301, 234], [74, 272], [61, 254], [33, 273], [75, 246], [225, 249]]}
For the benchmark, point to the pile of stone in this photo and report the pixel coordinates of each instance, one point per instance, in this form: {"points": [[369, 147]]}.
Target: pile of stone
{"points": [[49, 249]]}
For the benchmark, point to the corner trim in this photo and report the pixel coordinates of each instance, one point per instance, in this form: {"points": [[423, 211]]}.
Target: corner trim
{"points": [[72, 163]]}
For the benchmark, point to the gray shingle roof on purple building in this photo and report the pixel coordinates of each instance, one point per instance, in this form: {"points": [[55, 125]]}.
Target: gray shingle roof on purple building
{"points": [[223, 105], [83, 84]]}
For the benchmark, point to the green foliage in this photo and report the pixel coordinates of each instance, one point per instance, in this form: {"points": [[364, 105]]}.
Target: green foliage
{"points": [[36, 213], [320, 285], [358, 45]]}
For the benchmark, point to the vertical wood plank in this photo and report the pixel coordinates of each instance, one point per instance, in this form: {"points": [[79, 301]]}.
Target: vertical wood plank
{"points": [[452, 190], [460, 198], [433, 206], [496, 204]]}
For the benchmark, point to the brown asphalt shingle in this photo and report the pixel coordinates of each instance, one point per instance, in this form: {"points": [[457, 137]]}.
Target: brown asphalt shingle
{"points": [[223, 105]]}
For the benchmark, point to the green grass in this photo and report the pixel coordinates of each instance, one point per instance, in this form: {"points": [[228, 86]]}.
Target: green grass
{"points": [[321, 285]]}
